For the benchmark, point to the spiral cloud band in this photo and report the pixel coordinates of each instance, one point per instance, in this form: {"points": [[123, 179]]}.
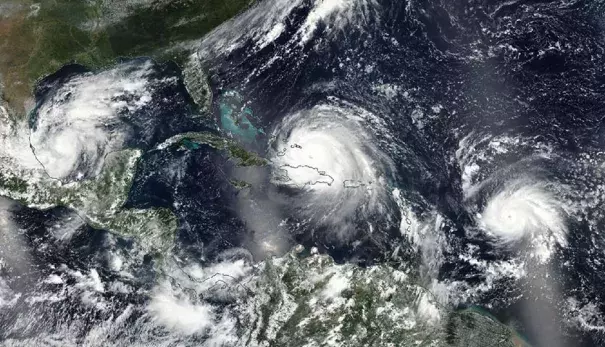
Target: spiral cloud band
{"points": [[79, 123], [526, 210], [326, 155]]}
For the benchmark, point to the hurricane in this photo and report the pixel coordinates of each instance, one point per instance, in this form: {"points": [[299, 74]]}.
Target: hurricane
{"points": [[526, 210], [304, 172], [79, 123], [329, 160], [86, 116]]}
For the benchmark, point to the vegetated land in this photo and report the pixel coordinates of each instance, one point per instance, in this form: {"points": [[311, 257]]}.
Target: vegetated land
{"points": [[37, 38]]}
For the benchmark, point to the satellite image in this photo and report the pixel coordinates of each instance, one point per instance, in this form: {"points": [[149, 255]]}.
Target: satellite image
{"points": [[301, 173]]}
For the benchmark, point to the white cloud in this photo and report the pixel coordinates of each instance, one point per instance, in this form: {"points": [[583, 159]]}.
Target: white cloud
{"points": [[178, 313], [79, 123]]}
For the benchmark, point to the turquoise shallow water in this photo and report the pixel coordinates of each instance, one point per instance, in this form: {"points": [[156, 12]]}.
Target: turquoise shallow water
{"points": [[235, 117]]}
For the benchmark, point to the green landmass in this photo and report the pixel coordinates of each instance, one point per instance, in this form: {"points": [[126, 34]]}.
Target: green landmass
{"points": [[300, 300], [239, 184], [234, 150], [99, 201], [37, 38], [306, 299], [475, 327]]}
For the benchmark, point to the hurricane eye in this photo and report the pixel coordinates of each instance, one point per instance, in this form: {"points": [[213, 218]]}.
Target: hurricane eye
{"points": [[336, 169]]}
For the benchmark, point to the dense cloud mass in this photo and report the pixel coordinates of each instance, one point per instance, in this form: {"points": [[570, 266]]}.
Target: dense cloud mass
{"points": [[371, 173]]}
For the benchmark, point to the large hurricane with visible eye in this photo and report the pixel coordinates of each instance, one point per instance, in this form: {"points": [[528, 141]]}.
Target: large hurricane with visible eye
{"points": [[526, 210], [326, 156]]}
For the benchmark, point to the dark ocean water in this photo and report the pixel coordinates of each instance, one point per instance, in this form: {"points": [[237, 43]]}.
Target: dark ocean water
{"points": [[525, 69], [171, 110], [45, 247], [521, 69]]}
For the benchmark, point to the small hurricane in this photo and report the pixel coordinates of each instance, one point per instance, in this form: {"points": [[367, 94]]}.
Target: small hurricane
{"points": [[526, 210]]}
